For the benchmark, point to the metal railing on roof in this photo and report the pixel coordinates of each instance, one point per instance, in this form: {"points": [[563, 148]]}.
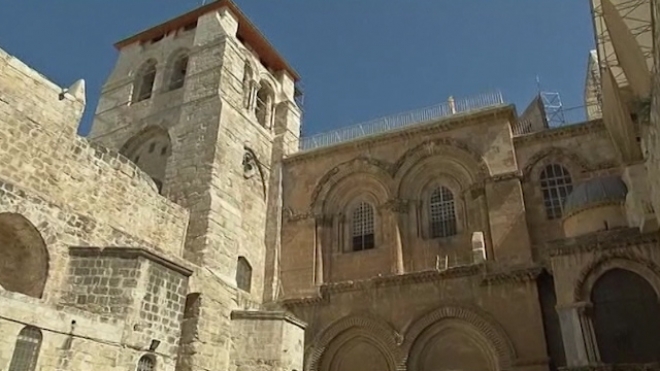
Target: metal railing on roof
{"points": [[400, 120]]}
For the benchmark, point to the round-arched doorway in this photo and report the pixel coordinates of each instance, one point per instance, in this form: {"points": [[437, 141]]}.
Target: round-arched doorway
{"points": [[626, 318]]}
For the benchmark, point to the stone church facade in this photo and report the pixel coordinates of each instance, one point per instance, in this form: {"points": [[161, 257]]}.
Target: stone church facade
{"points": [[194, 229]]}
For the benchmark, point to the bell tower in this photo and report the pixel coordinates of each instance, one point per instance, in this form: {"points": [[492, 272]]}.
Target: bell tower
{"points": [[204, 105]]}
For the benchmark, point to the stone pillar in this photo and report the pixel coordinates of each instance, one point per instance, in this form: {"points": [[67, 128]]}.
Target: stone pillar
{"points": [[399, 211], [320, 224], [509, 237], [578, 335]]}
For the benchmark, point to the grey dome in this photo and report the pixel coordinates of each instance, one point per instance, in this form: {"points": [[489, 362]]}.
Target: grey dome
{"points": [[610, 188]]}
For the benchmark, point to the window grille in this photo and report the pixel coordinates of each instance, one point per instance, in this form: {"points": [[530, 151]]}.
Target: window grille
{"points": [[442, 213], [146, 363], [556, 185], [363, 227], [26, 350]]}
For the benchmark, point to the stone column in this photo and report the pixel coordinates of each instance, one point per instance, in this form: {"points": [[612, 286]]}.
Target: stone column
{"points": [[320, 224], [480, 194], [578, 334], [399, 210]]}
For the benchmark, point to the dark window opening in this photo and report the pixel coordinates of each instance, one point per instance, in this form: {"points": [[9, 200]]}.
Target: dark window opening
{"points": [[244, 274]]}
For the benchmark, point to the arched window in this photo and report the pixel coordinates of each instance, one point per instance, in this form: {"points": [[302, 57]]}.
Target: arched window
{"points": [[626, 318], [363, 227], [146, 363], [178, 71], [556, 185], [244, 274], [144, 81], [264, 105], [442, 213], [26, 350]]}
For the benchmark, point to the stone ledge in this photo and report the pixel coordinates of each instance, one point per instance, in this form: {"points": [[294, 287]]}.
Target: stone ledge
{"points": [[184, 268], [572, 130], [502, 275], [603, 240], [444, 124], [615, 367], [267, 316]]}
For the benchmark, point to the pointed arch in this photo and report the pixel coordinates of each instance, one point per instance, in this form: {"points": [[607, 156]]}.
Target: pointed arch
{"points": [[145, 78], [24, 264], [150, 150]]}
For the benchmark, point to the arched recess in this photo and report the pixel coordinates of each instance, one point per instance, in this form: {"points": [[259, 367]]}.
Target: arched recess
{"points": [[265, 102], [339, 346], [459, 337], [144, 81], [647, 269], [150, 150], [624, 293], [177, 68], [463, 163], [626, 317], [574, 163], [24, 262], [340, 185]]}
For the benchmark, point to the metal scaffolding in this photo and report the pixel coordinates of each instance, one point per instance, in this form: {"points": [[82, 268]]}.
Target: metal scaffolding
{"points": [[636, 14]]}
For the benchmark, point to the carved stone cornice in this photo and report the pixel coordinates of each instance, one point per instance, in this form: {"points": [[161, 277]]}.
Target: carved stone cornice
{"points": [[444, 124], [397, 205], [599, 241], [568, 131], [514, 275], [516, 174]]}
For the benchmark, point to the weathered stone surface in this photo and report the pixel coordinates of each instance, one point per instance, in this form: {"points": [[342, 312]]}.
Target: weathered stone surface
{"points": [[127, 243]]}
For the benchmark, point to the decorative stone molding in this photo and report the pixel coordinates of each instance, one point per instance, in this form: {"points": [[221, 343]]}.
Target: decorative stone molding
{"points": [[181, 267], [582, 163], [402, 279], [490, 329], [625, 260], [360, 164], [518, 275], [365, 325], [397, 205], [445, 124], [439, 146], [574, 130], [606, 240]]}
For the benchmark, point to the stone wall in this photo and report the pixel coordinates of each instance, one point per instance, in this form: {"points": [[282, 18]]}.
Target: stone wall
{"points": [[41, 154], [585, 150], [394, 172], [71, 339]]}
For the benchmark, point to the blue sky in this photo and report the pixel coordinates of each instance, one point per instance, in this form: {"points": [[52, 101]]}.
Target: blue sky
{"points": [[359, 59]]}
